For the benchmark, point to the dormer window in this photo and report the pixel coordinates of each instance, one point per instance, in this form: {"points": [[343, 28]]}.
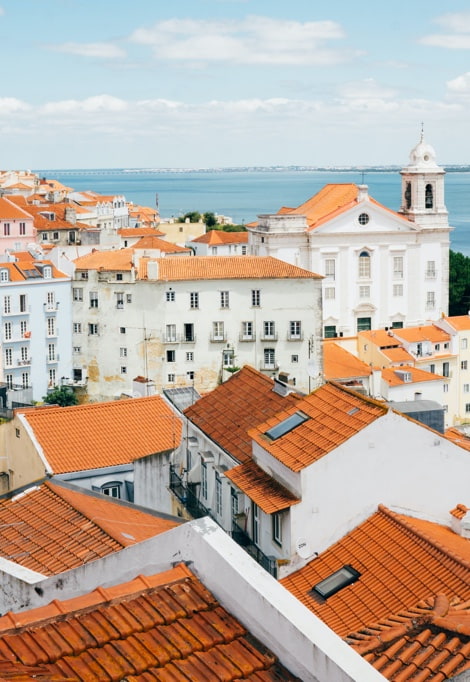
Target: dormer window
{"points": [[4, 276], [47, 272]]}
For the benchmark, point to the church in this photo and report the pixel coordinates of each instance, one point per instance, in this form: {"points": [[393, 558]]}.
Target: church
{"points": [[381, 268]]}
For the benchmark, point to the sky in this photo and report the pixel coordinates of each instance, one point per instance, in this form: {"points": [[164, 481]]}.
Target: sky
{"points": [[222, 83]]}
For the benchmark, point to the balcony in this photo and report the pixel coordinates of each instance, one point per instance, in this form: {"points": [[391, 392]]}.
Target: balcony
{"points": [[242, 538], [269, 366], [295, 337], [218, 338], [51, 307], [187, 496], [247, 337], [269, 337], [23, 363]]}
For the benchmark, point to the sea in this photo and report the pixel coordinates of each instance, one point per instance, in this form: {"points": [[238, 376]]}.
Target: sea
{"points": [[243, 194]]}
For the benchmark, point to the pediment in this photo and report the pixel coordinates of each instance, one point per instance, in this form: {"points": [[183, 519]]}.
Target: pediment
{"points": [[367, 217]]}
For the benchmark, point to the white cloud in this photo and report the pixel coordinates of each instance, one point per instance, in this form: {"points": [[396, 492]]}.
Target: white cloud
{"points": [[366, 89], [97, 50], [459, 22], [254, 40], [456, 35], [11, 105], [99, 103], [460, 85]]}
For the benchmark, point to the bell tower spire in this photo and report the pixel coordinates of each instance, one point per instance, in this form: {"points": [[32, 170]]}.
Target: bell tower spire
{"points": [[423, 187]]}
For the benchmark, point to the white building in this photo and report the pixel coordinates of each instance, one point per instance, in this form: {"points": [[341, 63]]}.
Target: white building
{"points": [[219, 243], [36, 322], [382, 268], [192, 320]]}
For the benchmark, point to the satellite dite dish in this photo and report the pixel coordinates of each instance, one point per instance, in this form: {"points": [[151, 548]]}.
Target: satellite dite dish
{"points": [[312, 368], [303, 549]]}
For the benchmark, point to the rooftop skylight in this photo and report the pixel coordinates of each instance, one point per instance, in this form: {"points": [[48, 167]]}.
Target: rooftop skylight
{"points": [[336, 581], [286, 425]]}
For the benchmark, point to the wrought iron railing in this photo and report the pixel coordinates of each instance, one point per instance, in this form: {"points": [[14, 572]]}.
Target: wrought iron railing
{"points": [[242, 538], [186, 496]]}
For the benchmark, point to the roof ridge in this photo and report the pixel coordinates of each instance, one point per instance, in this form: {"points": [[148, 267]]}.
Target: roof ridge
{"points": [[398, 520]]}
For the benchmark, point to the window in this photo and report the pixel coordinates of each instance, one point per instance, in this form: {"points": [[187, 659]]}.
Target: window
{"points": [[204, 479], [171, 378], [234, 503], [47, 272], [437, 346], [190, 375], [55, 237], [118, 276], [466, 388], [84, 275], [286, 425], [294, 358], [243, 250], [77, 294], [25, 380], [228, 358], [6, 229], [190, 356], [398, 290], [170, 332], [330, 268], [364, 292], [277, 528], [8, 357], [268, 330], [51, 352], [22, 228], [189, 332], [77, 374], [446, 388], [194, 299], [7, 304], [256, 520], [430, 300], [112, 490], [463, 364], [218, 331], [4, 276], [214, 250], [408, 195], [463, 344], [336, 581], [50, 299], [218, 494], [256, 298], [9, 380], [128, 298], [269, 358], [93, 329], [123, 369], [50, 326], [397, 325], [364, 324], [446, 346], [467, 408], [23, 303], [247, 330], [77, 327], [428, 199], [364, 264], [24, 354], [170, 296], [295, 329], [52, 377], [398, 267], [77, 350], [123, 352], [445, 369], [431, 269], [23, 328], [329, 332], [171, 356], [122, 330], [363, 219], [7, 331], [119, 300], [432, 368], [330, 293], [224, 299]]}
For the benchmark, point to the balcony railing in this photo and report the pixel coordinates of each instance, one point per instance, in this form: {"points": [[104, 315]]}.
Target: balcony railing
{"points": [[247, 337], [268, 337], [218, 338], [187, 496], [242, 538], [295, 337], [269, 366]]}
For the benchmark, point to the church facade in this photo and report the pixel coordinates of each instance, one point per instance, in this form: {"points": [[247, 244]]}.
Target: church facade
{"points": [[381, 268]]}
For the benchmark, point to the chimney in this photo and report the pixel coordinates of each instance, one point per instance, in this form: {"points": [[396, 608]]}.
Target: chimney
{"points": [[460, 521], [362, 193]]}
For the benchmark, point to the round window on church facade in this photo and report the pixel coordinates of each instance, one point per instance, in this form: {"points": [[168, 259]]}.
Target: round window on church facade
{"points": [[363, 219]]}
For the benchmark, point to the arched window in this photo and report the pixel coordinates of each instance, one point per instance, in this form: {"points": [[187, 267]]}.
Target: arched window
{"points": [[364, 264], [408, 195], [428, 198]]}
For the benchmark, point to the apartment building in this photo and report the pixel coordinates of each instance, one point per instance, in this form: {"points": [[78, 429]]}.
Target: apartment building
{"points": [[192, 321]]}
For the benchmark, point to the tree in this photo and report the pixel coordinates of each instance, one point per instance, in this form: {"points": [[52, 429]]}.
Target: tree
{"points": [[210, 219], [193, 216], [62, 396], [459, 283]]}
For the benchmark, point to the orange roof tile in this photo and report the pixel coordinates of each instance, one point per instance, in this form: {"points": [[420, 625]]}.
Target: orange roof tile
{"points": [[401, 561], [427, 642], [264, 490], [85, 437], [426, 333], [459, 511], [380, 338], [335, 415], [398, 355], [140, 232], [338, 363], [10, 211], [459, 322], [161, 627], [458, 437], [226, 413], [105, 260], [52, 528], [217, 237], [153, 242], [393, 378], [230, 267]]}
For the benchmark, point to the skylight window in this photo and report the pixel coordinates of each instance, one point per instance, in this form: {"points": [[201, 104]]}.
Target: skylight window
{"points": [[353, 410], [286, 425], [336, 581]]}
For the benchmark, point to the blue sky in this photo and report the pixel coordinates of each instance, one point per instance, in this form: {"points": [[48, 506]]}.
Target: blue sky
{"points": [[204, 83]]}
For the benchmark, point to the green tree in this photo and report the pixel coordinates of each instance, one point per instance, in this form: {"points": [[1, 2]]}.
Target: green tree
{"points": [[194, 217], [210, 219], [62, 395], [459, 283]]}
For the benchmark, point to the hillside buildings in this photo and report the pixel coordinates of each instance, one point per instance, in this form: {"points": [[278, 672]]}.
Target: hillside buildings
{"points": [[382, 268]]}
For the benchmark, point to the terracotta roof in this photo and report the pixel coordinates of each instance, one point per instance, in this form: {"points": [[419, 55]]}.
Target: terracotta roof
{"points": [[459, 511], [401, 561], [25, 266], [428, 642], [398, 355], [10, 211], [52, 528], [217, 237], [393, 378], [159, 627], [426, 333], [334, 413], [140, 232], [338, 363], [154, 242], [459, 322], [226, 413], [263, 489], [379, 337], [106, 260], [230, 267], [104, 434], [458, 437]]}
